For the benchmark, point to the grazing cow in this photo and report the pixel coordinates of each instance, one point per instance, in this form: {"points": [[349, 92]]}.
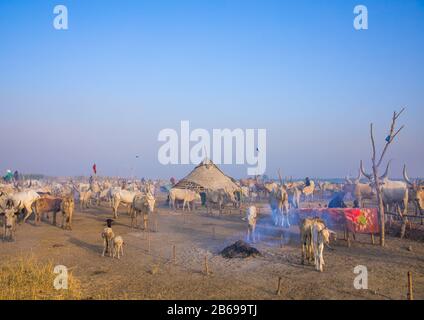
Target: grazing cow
{"points": [[143, 204], [67, 208], [185, 195], [122, 196], [118, 247], [23, 201], [279, 203], [220, 198], [44, 205], [107, 236], [251, 216], [416, 192], [9, 223]]}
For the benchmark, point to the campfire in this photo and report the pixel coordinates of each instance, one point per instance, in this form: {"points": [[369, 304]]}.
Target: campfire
{"points": [[240, 249]]}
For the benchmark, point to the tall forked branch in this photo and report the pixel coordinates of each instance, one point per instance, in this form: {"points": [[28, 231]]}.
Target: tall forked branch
{"points": [[375, 166]]}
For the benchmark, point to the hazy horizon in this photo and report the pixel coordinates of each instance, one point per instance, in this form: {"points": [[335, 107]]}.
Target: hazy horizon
{"points": [[101, 91]]}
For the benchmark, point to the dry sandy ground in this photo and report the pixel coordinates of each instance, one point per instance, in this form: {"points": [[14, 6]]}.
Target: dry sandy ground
{"points": [[141, 274]]}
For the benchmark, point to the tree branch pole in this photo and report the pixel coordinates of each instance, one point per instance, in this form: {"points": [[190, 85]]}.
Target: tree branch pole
{"points": [[376, 165]]}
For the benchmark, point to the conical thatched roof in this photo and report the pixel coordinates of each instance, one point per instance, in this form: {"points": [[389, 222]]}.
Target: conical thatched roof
{"points": [[207, 176]]}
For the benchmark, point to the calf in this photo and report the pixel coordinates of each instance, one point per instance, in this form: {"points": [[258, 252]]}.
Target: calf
{"points": [[107, 236], [251, 215], [9, 224], [118, 247], [320, 237], [67, 208]]}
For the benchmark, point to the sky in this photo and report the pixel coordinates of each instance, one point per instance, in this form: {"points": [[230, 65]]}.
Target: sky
{"points": [[102, 90]]}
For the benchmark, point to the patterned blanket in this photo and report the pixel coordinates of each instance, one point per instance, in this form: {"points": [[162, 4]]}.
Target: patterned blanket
{"points": [[356, 220]]}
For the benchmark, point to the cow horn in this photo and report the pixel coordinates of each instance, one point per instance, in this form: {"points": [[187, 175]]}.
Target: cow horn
{"points": [[405, 176], [359, 177], [386, 173], [361, 169]]}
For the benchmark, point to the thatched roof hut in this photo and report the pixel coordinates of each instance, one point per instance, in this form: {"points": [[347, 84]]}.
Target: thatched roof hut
{"points": [[207, 176]]}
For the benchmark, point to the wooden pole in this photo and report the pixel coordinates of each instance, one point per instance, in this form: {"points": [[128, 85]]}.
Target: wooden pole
{"points": [[279, 286], [156, 225], [410, 289], [348, 238], [206, 265], [174, 254], [213, 232], [148, 242], [372, 238]]}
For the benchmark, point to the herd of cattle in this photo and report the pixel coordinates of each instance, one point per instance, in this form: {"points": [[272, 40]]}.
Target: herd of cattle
{"points": [[19, 201]]}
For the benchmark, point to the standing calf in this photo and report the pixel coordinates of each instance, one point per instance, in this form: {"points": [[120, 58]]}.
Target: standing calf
{"points": [[118, 246], [107, 236], [9, 224], [252, 215], [67, 208], [313, 236]]}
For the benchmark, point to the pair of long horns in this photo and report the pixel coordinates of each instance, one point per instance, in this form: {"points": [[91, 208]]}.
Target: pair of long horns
{"points": [[370, 176]]}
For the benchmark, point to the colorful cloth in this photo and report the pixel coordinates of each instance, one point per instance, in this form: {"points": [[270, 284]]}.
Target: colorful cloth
{"points": [[356, 220]]}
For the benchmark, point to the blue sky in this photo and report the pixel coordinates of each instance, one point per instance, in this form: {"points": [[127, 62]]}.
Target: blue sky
{"points": [[102, 90]]}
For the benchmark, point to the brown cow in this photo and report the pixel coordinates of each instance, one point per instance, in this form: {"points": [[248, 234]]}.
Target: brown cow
{"points": [[44, 205], [67, 208]]}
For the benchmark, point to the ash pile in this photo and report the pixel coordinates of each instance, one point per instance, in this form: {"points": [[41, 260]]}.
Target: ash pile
{"points": [[240, 249]]}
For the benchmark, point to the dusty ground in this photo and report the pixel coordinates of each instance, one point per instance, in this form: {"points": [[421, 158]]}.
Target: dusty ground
{"points": [[141, 274]]}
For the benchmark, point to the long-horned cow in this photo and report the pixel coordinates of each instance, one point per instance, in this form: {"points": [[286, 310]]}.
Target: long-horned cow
{"points": [[360, 191], [394, 193], [416, 192]]}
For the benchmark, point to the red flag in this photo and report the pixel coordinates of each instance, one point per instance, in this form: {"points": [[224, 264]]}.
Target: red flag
{"points": [[94, 168]]}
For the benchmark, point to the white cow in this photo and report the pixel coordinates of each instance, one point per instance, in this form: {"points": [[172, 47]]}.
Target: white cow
{"points": [[24, 200], [122, 196], [187, 196], [251, 216], [320, 237]]}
